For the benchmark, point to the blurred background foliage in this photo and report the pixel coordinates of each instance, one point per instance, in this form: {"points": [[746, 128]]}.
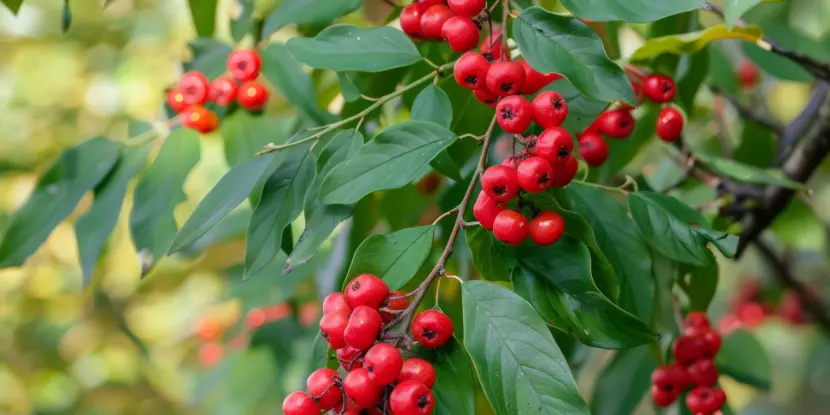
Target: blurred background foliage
{"points": [[179, 342]]}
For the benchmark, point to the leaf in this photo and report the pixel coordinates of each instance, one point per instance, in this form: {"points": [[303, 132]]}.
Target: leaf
{"points": [[395, 257], [622, 244], [545, 298], [348, 89], [245, 133], [233, 188], [342, 147], [691, 72], [66, 19], [520, 367], [748, 174], [158, 192], [565, 45], [307, 12], [640, 11], [490, 257], [721, 72], [203, 13], [292, 82], [433, 104], [623, 151], [758, 145], [700, 284], [93, 228], [623, 382], [232, 227], [13, 5], [666, 233], [734, 9], [209, 57], [283, 198], [694, 42], [787, 38], [582, 110], [453, 390], [392, 159], [55, 196], [743, 358], [666, 273], [243, 23], [351, 48]]}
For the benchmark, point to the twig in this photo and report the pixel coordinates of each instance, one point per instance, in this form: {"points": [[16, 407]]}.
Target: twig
{"points": [[444, 215], [795, 129], [748, 113]]}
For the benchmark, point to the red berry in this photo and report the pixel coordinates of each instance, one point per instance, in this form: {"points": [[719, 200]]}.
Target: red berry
{"points": [[411, 398], [535, 80], [493, 46], [703, 372], [593, 149], [669, 124], [223, 90], [471, 70], [367, 290], [335, 302], [792, 309], [360, 388], [554, 145], [673, 378], [515, 114], [696, 319], [175, 99], [564, 172], [353, 409], [659, 88], [505, 78], [419, 370], [433, 21], [461, 33], [350, 358], [252, 96], [323, 387], [546, 228], [510, 227], [363, 327], [687, 349], [748, 74], [705, 400], [299, 403], [549, 109], [751, 314], [484, 96], [333, 326], [638, 91], [411, 20], [195, 88], [396, 301], [431, 328], [244, 64], [210, 353], [534, 174], [255, 318], [485, 210], [468, 8], [500, 183], [616, 123], [384, 363], [661, 397], [429, 3], [199, 118]]}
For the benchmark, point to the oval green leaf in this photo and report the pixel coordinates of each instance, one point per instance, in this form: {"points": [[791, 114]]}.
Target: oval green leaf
{"points": [[453, 390], [693, 42], [491, 258], [624, 382], [743, 358], [748, 174], [395, 257], [307, 12], [641, 11], [292, 82]]}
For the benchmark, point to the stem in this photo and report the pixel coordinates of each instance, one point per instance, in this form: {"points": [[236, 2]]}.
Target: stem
{"points": [[444, 215]]}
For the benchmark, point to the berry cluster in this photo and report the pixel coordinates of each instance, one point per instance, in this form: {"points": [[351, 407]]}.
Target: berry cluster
{"points": [[694, 353], [194, 90], [355, 324], [751, 306], [444, 20]]}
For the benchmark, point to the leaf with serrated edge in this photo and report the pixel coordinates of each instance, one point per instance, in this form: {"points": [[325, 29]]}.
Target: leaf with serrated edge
{"points": [[395, 257]]}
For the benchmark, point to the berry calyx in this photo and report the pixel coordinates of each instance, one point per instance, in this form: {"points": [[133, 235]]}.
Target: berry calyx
{"points": [[360, 388], [384, 363], [705, 400], [195, 88], [535, 80], [175, 100], [510, 227], [485, 210], [555, 145], [252, 96], [593, 149], [484, 96], [363, 327], [564, 172], [396, 301], [323, 386], [411, 20], [470, 71], [223, 90], [335, 302], [703, 372], [431, 328], [549, 109], [366, 290], [659, 88], [299, 403], [500, 183], [616, 123], [669, 124], [662, 398], [419, 370], [514, 114], [244, 64], [461, 33], [546, 228], [432, 22], [505, 78], [333, 327], [467, 8], [534, 174], [411, 398]]}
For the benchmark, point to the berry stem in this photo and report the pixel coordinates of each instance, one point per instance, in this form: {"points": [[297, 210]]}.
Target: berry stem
{"points": [[444, 215]]}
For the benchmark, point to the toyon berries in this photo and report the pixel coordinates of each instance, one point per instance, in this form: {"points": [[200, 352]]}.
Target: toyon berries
{"points": [[510, 227], [669, 124], [659, 88], [411, 398], [467, 8], [593, 149], [616, 123], [505, 78], [549, 109], [461, 33], [694, 352], [471, 71], [431, 328], [433, 19], [514, 114], [546, 228], [244, 64], [299, 403], [500, 183], [252, 96]]}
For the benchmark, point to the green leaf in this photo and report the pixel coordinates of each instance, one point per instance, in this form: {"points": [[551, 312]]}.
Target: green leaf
{"points": [[758, 145], [292, 82], [209, 57], [700, 284], [433, 104], [351, 48], [203, 13], [691, 72], [565, 45], [721, 72], [743, 358], [453, 390], [395, 257], [348, 89], [665, 232], [66, 19], [491, 258], [624, 382], [623, 151], [666, 274], [694, 42], [283, 198], [307, 12], [93, 228], [748, 174], [13, 5], [158, 192], [233, 188], [734, 9], [520, 367], [232, 227], [624, 247], [57, 192], [629, 10], [392, 159], [582, 110], [243, 23], [245, 133], [342, 147], [545, 298]]}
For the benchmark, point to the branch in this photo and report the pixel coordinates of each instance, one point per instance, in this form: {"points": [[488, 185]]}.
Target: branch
{"points": [[793, 131], [784, 276], [748, 113]]}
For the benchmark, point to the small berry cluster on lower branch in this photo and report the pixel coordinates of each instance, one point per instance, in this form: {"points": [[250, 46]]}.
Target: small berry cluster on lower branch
{"points": [[378, 379], [694, 353]]}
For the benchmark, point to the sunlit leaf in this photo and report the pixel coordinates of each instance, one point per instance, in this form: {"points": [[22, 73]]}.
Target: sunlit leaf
{"points": [[691, 43]]}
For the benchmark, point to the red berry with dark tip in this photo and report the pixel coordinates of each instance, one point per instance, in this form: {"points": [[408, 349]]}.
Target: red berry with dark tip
{"points": [[659, 88], [688, 349], [696, 319], [616, 123], [195, 88], [431, 328], [468, 8], [546, 228], [244, 64], [411, 20], [492, 46], [535, 80], [350, 358], [484, 96], [252, 96], [593, 149], [411, 398], [432, 22], [175, 100], [702, 372], [333, 326], [461, 33], [419, 370], [505, 78], [662, 398], [500, 183], [486, 209], [470, 70], [299, 403], [672, 378], [705, 400], [564, 172], [366, 290], [514, 114], [223, 90], [360, 388], [534, 174], [549, 109], [510, 227], [363, 327], [554, 145], [323, 386], [669, 124], [336, 302], [384, 363]]}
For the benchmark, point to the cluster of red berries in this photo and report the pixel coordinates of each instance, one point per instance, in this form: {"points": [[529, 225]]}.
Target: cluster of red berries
{"points": [[751, 307], [694, 353], [194, 90], [354, 323], [444, 20]]}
